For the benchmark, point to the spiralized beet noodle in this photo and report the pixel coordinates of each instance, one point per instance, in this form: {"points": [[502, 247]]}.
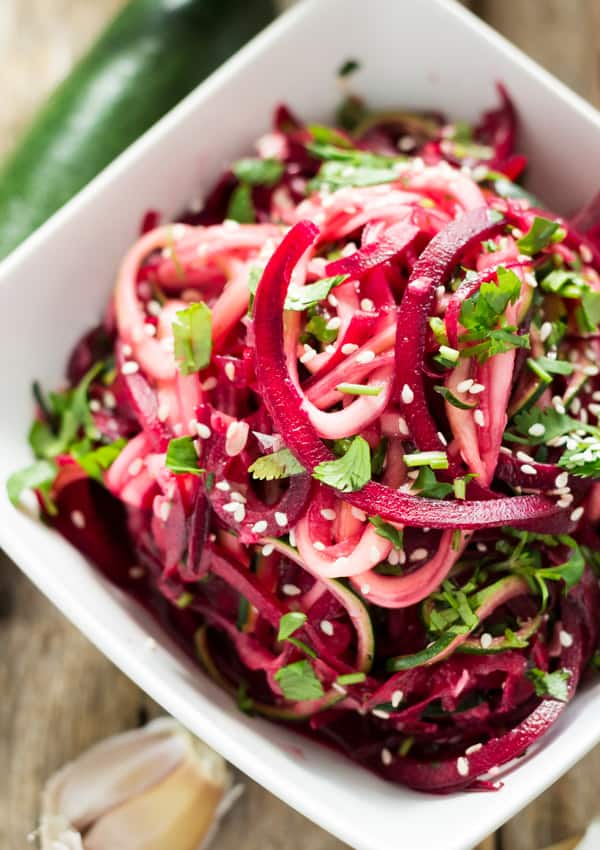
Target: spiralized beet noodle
{"points": [[340, 430]]}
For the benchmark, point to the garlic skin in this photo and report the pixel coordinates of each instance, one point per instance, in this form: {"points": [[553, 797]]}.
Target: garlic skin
{"points": [[155, 788]]}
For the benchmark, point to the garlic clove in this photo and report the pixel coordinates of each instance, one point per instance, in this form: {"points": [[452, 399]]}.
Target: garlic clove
{"points": [[156, 788]]}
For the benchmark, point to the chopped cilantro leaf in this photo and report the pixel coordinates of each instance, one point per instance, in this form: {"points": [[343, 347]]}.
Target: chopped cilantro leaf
{"points": [[279, 464], [552, 685], [351, 678], [427, 485], [290, 623], [317, 327], [310, 295], [39, 475], [539, 236], [241, 206], [452, 399], [181, 457], [192, 334], [350, 472], [298, 681], [258, 172], [388, 531]]}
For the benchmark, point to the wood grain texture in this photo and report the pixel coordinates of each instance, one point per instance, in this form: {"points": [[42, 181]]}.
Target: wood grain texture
{"points": [[59, 695]]}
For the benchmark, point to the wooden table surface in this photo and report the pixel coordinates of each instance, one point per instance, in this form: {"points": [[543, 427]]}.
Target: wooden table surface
{"points": [[59, 695]]}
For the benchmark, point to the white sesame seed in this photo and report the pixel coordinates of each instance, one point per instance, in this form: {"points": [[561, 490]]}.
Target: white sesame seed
{"points": [[386, 756], [136, 572], [164, 511], [238, 497], [240, 512], [474, 748], [309, 353], [537, 429], [127, 350], [109, 400], [358, 514], [268, 549], [418, 554], [149, 329], [485, 640], [339, 688], [462, 766], [476, 389], [334, 324], [95, 405], [340, 563], [576, 514], [349, 348], [367, 305], [407, 395], [379, 712], [135, 466], [319, 546], [591, 371], [557, 404], [481, 547], [209, 384], [566, 639], [524, 457], [290, 589], [586, 254], [365, 589], [130, 367], [230, 370], [259, 526], [329, 349], [561, 480], [465, 385], [564, 501], [479, 418], [332, 300], [154, 308], [230, 507], [596, 395], [326, 627], [442, 438], [236, 438], [394, 557], [575, 405], [163, 410], [292, 537], [527, 469], [203, 431], [78, 519], [594, 409], [397, 698], [366, 356], [328, 513], [223, 486], [281, 519]]}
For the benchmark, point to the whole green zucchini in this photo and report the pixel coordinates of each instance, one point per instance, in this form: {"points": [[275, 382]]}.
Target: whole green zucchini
{"points": [[151, 55]]}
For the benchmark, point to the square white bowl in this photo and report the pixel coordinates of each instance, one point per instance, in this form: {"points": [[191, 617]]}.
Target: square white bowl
{"points": [[426, 54]]}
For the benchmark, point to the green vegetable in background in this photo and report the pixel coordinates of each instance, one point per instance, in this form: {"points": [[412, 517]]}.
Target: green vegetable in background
{"points": [[149, 58]]}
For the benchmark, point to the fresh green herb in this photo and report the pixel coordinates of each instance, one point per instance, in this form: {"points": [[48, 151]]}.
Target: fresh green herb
{"points": [[438, 329], [456, 540], [584, 459], [245, 703], [299, 682], [453, 400], [447, 357], [359, 389], [279, 464], [541, 234], [39, 475], [351, 679], [184, 600], [258, 172], [243, 613], [553, 685], [490, 246], [303, 647], [254, 276], [588, 312], [290, 623], [427, 485], [182, 458], [310, 295], [352, 167], [555, 424], [436, 460], [348, 67], [241, 205], [406, 746], [329, 136], [460, 485], [350, 472], [564, 282], [96, 461], [378, 457], [388, 531], [317, 327], [192, 329]]}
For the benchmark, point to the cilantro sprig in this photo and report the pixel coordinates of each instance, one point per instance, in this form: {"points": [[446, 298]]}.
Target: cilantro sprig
{"points": [[298, 681], [554, 685], [192, 334], [279, 464], [304, 297], [350, 472]]}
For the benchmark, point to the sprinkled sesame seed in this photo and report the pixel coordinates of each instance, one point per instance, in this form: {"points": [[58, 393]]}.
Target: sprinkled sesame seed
{"points": [[340, 563], [575, 405], [127, 350], [334, 323], [268, 549], [596, 395], [292, 537], [442, 438], [465, 385], [281, 519], [328, 513], [397, 697], [339, 688], [407, 395], [462, 766], [380, 712], [136, 572], [329, 349], [135, 466], [545, 331], [358, 514], [236, 437], [566, 639], [149, 329], [367, 305], [586, 254], [561, 480], [230, 370], [528, 469], [386, 756], [223, 486], [474, 748], [394, 557], [576, 514], [130, 367], [332, 300], [260, 526], [366, 356], [565, 501], [309, 353], [230, 507], [326, 627], [403, 426], [537, 429], [319, 546], [479, 418], [591, 371], [349, 348], [163, 410], [95, 405], [485, 640], [418, 554], [365, 588], [78, 519], [594, 409], [481, 547], [523, 456], [203, 431], [164, 511], [209, 383], [108, 399], [476, 389], [239, 514], [557, 404], [154, 308], [291, 590]]}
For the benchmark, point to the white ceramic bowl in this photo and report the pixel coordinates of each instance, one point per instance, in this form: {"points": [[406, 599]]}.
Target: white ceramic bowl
{"points": [[426, 54]]}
